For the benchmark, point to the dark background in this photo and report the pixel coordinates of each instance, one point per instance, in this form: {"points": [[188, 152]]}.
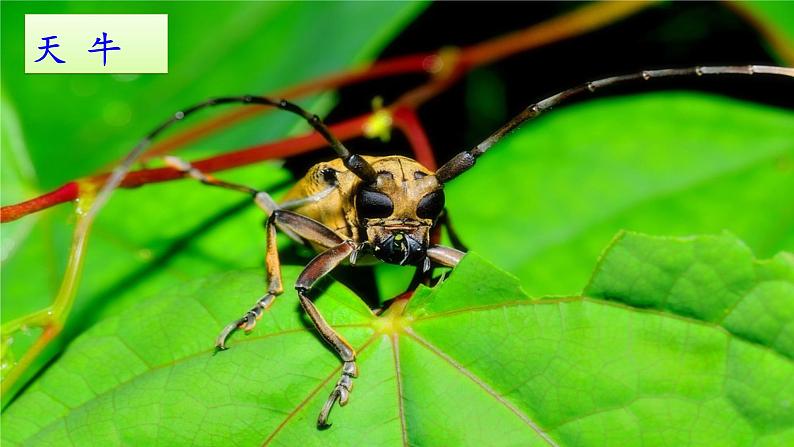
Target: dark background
{"points": [[662, 36], [668, 35]]}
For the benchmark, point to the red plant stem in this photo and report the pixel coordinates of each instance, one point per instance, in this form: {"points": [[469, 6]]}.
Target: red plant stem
{"points": [[279, 149], [415, 63], [406, 120], [65, 193], [574, 23]]}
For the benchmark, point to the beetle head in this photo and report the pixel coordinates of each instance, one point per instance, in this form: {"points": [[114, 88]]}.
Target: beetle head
{"points": [[397, 211]]}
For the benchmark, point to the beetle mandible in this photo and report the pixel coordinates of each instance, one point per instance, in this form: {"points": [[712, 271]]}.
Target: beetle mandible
{"points": [[366, 209]]}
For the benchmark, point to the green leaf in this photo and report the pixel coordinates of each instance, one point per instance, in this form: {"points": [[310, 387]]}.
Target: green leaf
{"points": [[215, 50], [678, 341], [662, 163], [161, 234], [709, 278]]}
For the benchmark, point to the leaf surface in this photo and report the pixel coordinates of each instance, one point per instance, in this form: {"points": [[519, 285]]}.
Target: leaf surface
{"points": [[161, 234], [676, 341], [673, 163]]}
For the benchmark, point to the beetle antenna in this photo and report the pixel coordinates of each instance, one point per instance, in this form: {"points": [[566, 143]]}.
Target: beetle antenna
{"points": [[461, 162], [354, 162], [357, 164]]}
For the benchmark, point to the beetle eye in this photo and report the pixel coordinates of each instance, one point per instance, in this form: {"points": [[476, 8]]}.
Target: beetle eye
{"points": [[373, 204], [431, 205]]}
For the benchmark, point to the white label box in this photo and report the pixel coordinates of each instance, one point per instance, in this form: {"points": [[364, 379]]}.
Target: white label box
{"points": [[96, 43]]}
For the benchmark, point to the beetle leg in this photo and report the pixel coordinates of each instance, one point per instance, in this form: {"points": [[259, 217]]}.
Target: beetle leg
{"points": [[446, 256], [261, 198], [301, 227], [297, 226], [306, 228], [274, 289], [317, 268], [314, 198]]}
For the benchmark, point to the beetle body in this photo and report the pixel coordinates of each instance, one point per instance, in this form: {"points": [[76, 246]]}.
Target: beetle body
{"points": [[360, 209], [391, 218]]}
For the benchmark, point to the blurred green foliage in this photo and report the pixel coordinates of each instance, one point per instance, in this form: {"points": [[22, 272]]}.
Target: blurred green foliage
{"points": [[75, 125]]}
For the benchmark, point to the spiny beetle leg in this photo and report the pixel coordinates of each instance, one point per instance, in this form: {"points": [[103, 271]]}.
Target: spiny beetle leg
{"points": [[247, 322], [274, 288], [317, 268], [340, 393], [446, 256], [261, 198], [306, 229]]}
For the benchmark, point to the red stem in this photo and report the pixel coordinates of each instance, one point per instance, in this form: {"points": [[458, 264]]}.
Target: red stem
{"points": [[574, 23], [279, 149], [65, 193], [390, 67], [406, 120]]}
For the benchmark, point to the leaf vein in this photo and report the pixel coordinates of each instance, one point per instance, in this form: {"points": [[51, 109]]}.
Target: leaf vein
{"points": [[165, 365], [485, 387], [608, 302], [395, 342], [312, 393]]}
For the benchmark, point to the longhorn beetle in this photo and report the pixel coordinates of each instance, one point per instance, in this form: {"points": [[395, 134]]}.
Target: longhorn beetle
{"points": [[362, 209]]}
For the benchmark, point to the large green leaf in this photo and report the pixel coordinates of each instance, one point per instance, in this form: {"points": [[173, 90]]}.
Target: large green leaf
{"points": [[678, 341], [663, 163], [163, 234]]}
